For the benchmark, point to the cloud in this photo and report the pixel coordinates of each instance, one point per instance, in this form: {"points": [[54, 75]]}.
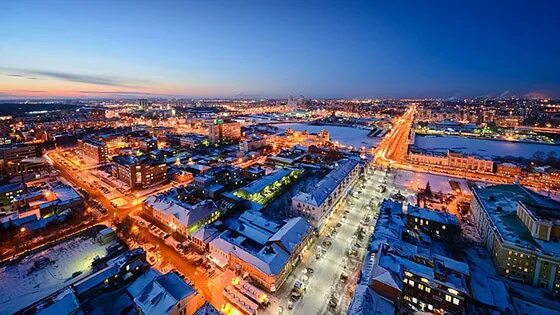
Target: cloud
{"points": [[116, 92], [23, 76], [504, 94], [538, 94], [25, 91], [74, 77]]}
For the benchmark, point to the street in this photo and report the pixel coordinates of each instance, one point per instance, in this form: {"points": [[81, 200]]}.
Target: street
{"points": [[325, 282]]}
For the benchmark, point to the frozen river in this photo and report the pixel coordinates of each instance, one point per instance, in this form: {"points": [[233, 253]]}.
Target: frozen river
{"points": [[346, 135], [483, 147]]}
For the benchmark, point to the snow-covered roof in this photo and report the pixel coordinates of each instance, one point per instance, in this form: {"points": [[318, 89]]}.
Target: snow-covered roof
{"points": [[433, 216], [500, 204], [207, 309], [328, 184], [260, 184], [366, 302], [185, 213], [163, 293], [262, 243], [291, 233], [66, 302], [135, 288]]}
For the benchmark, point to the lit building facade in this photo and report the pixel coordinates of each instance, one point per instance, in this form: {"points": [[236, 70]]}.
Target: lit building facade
{"points": [[522, 231]]}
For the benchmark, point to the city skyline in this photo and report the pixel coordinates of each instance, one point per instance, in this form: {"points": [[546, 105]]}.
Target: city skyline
{"points": [[248, 49]]}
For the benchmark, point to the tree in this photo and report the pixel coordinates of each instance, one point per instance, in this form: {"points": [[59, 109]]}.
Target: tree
{"points": [[124, 227], [428, 190]]}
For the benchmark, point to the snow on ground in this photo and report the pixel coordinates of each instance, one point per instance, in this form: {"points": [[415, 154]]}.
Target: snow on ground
{"points": [[416, 180], [484, 147], [346, 135], [524, 307], [23, 283]]}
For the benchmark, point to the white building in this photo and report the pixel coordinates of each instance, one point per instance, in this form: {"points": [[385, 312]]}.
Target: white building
{"points": [[317, 205], [179, 215]]}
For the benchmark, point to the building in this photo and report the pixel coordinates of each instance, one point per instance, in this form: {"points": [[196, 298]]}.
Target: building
{"points": [[139, 172], [254, 143], [451, 159], [47, 200], [8, 195], [317, 205], [434, 223], [522, 231], [470, 162], [221, 131], [96, 150], [143, 104], [265, 251], [508, 169], [201, 238], [13, 157], [154, 293], [175, 210], [253, 172], [148, 144], [262, 189], [403, 273]]}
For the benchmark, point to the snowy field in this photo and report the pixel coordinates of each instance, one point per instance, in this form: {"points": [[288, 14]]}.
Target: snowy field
{"points": [[346, 135], [26, 282], [484, 147], [415, 180]]}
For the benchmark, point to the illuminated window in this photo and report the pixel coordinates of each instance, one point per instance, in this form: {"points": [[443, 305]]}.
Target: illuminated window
{"points": [[428, 289], [453, 291], [430, 307], [456, 301], [411, 283], [443, 227], [420, 286], [414, 300], [448, 298], [405, 280]]}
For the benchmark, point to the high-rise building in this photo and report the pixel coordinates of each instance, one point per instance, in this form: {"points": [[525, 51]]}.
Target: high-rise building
{"points": [[142, 104], [96, 150], [222, 131], [139, 172]]}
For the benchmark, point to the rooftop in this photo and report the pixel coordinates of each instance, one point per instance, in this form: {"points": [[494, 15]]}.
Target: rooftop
{"points": [[433, 216], [328, 184], [500, 203]]}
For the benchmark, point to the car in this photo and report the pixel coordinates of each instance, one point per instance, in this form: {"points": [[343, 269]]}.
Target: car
{"points": [[199, 261], [310, 270], [333, 302], [152, 260], [290, 305]]}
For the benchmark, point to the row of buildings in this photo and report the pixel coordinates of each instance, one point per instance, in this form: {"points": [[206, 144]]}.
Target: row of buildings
{"points": [[413, 266], [451, 159], [34, 206], [125, 284], [317, 205]]}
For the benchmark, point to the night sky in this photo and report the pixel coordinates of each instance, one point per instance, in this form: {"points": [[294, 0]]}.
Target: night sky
{"points": [[277, 48]]}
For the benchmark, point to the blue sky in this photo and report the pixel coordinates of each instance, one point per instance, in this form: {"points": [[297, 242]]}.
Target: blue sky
{"points": [[276, 48]]}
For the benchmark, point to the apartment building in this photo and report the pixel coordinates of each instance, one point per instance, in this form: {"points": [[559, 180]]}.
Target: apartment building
{"points": [[317, 205], [521, 229], [139, 172]]}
